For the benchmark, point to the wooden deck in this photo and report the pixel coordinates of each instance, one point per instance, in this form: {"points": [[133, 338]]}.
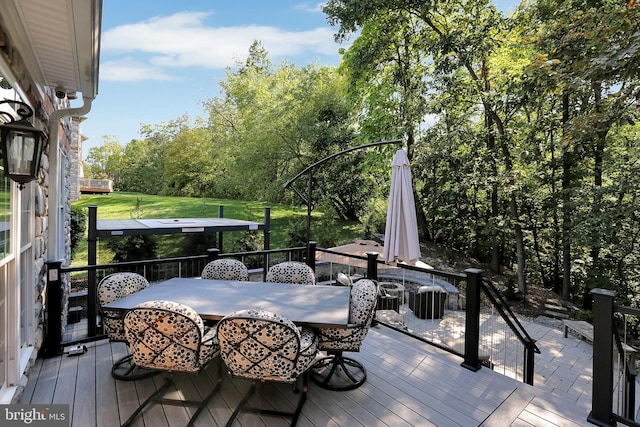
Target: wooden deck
{"points": [[408, 383]]}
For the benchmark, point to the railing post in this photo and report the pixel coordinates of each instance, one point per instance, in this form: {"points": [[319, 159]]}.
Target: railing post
{"points": [[53, 320], [630, 391], [267, 228], [472, 320], [220, 215], [372, 265], [311, 255], [267, 241], [602, 385], [529, 363], [213, 254], [92, 259]]}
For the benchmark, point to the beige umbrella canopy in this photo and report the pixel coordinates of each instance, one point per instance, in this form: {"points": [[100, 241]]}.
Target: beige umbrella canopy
{"points": [[401, 232]]}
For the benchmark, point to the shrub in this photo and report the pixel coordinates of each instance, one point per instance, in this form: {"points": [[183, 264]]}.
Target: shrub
{"points": [[78, 226], [133, 248]]}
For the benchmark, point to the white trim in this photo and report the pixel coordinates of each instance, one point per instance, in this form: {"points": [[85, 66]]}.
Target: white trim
{"points": [[8, 393], [12, 296]]}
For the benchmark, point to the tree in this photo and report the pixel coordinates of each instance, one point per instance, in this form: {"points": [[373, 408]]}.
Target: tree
{"points": [[104, 161], [273, 121], [590, 52], [457, 37]]}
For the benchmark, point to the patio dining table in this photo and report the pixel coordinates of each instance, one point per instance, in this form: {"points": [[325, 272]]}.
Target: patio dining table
{"points": [[312, 306]]}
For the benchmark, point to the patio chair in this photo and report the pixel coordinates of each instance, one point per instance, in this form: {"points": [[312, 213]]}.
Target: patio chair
{"points": [[112, 288], [428, 302], [171, 337], [291, 272], [261, 346], [334, 371], [386, 301], [225, 269]]}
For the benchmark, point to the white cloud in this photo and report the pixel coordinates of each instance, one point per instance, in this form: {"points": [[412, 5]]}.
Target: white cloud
{"points": [[128, 69], [183, 40], [309, 7]]}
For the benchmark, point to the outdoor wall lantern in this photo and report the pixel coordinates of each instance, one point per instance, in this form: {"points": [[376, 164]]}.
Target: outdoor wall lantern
{"points": [[21, 143]]}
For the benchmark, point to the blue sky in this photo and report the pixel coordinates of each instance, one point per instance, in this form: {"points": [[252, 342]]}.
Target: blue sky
{"points": [[160, 60]]}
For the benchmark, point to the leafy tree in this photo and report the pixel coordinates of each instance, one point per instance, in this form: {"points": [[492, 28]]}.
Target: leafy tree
{"points": [[458, 37], [589, 53], [189, 163], [272, 122], [104, 161]]}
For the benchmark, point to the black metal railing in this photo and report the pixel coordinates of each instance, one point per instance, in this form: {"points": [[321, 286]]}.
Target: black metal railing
{"points": [[475, 295], [57, 307], [614, 363], [470, 294]]}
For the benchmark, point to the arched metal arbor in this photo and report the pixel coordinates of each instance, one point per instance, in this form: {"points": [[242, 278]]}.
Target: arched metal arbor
{"points": [[307, 200]]}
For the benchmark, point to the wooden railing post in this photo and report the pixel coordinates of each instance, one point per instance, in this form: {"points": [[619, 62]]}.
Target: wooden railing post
{"points": [[372, 265], [472, 321], [53, 313], [602, 384]]}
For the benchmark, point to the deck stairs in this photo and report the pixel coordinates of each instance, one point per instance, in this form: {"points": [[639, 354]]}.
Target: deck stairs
{"points": [[555, 309]]}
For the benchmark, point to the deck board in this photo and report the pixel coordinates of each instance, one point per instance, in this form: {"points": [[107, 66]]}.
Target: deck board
{"points": [[408, 383]]}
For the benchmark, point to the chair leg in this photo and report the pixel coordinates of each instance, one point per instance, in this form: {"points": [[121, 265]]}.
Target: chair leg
{"points": [[242, 403], [157, 397], [339, 373], [243, 406], [167, 383], [124, 369], [206, 400]]}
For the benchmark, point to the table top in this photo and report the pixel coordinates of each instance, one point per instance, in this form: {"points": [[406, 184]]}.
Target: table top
{"points": [[125, 227], [305, 305]]}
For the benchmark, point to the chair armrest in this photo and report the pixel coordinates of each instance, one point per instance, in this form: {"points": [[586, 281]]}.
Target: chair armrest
{"points": [[210, 335], [308, 341]]}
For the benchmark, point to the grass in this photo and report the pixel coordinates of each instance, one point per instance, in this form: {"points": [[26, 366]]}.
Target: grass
{"points": [[120, 205]]}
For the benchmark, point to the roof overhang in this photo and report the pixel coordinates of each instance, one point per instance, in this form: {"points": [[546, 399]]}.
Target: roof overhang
{"points": [[58, 41]]}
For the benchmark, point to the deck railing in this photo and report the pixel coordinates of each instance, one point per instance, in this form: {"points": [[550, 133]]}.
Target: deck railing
{"points": [[614, 362], [83, 282], [478, 326]]}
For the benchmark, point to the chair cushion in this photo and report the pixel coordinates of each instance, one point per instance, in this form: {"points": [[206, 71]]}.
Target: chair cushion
{"points": [[168, 335], [265, 346], [225, 269], [291, 272], [112, 288], [362, 306], [362, 303]]}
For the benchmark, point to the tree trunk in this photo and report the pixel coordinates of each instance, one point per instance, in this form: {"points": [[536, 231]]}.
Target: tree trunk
{"points": [[567, 165]]}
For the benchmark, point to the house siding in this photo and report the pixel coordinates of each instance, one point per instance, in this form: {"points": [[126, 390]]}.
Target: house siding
{"points": [[69, 136]]}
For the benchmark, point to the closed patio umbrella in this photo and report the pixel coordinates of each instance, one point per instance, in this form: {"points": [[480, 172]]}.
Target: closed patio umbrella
{"points": [[401, 232]]}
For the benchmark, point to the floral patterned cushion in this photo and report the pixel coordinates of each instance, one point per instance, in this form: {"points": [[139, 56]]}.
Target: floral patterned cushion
{"points": [[170, 336], [114, 287], [225, 269], [361, 311], [291, 272], [261, 345]]}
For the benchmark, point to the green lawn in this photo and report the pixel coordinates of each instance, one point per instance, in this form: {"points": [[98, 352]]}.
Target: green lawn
{"points": [[119, 205]]}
